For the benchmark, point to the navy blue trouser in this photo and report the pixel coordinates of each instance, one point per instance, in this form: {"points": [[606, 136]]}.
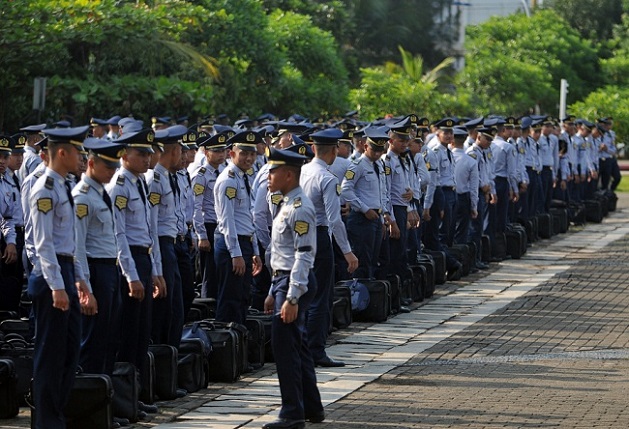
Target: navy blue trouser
{"points": [[397, 247], [365, 237], [319, 312], [232, 301], [502, 206], [186, 271], [96, 330], [543, 199], [430, 234], [135, 316], [616, 175], [446, 229], [462, 218], [605, 172], [476, 225], [209, 288], [293, 359], [57, 347], [168, 310], [531, 192]]}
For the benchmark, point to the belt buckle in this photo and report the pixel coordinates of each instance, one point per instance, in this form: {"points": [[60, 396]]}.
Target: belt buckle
{"points": [[150, 250]]}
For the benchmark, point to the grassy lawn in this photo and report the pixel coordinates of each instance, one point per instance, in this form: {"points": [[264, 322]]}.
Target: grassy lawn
{"points": [[624, 184]]}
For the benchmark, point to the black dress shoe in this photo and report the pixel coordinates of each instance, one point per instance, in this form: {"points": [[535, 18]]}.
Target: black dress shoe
{"points": [[316, 417], [142, 415], [328, 362], [115, 425], [404, 309], [406, 301], [151, 409], [482, 265], [285, 424], [120, 421], [181, 393], [455, 274]]}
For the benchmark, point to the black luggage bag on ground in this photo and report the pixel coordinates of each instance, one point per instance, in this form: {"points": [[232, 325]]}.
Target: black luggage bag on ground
{"points": [[560, 219], [418, 287], [593, 211], [225, 363], [396, 285], [612, 200], [428, 263], [545, 225], [21, 353], [439, 257], [192, 365], [242, 334], [147, 383], [379, 300], [166, 376], [257, 342], [499, 246], [516, 239], [90, 404], [461, 252], [9, 406], [126, 384], [267, 322], [576, 213]]}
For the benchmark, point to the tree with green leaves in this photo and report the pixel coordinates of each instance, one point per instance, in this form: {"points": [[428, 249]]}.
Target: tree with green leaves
{"points": [[593, 19], [398, 89], [514, 64]]}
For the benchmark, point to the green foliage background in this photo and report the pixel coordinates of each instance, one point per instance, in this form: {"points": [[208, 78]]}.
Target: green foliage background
{"points": [[318, 58]]}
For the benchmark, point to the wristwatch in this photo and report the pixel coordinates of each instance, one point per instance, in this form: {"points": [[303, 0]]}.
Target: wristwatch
{"points": [[292, 300]]}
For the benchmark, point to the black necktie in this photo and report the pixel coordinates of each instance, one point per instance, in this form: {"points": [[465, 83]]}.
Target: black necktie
{"points": [[247, 184], [188, 177], [16, 180], [141, 190], [107, 199], [216, 172], [69, 192], [174, 184], [376, 168], [449, 155], [403, 161]]}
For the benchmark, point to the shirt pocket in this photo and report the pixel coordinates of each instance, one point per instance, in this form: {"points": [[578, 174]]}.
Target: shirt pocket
{"points": [[103, 218], [135, 210]]}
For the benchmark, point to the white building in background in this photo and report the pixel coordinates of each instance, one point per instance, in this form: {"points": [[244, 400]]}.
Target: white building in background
{"points": [[473, 12], [479, 11]]}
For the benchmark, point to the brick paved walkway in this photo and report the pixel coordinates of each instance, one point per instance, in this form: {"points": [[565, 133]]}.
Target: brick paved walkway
{"points": [[539, 342]]}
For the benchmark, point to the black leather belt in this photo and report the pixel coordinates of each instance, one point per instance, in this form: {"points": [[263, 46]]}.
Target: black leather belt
{"points": [[19, 229], [141, 250], [379, 211], [167, 238], [103, 261], [504, 179], [546, 167], [322, 228], [448, 188], [65, 258], [277, 273], [248, 238], [180, 237]]}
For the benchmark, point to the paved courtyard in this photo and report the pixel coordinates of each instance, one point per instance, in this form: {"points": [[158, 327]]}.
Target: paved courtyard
{"points": [[537, 342]]}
